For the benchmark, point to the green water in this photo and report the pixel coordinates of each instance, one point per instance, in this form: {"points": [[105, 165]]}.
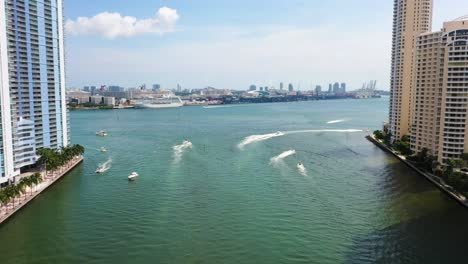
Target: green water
{"points": [[218, 203]]}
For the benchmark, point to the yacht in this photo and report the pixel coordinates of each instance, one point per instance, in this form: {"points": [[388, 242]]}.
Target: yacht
{"points": [[162, 102], [100, 169], [133, 176], [187, 143], [101, 133], [103, 149]]}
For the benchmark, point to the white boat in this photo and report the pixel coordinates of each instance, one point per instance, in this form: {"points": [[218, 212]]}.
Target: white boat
{"points": [[103, 149], [133, 176], [100, 169], [300, 166], [187, 143], [101, 133], [162, 102]]}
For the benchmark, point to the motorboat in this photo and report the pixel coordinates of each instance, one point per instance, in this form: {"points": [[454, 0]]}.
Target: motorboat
{"points": [[187, 143], [101, 133], [300, 166], [100, 169], [103, 149], [133, 176]]}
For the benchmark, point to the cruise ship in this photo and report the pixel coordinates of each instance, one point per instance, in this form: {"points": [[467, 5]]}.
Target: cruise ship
{"points": [[162, 102]]}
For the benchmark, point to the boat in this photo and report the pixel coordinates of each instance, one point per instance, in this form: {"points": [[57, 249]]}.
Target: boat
{"points": [[162, 102], [100, 169], [133, 176], [101, 133], [300, 166], [103, 149], [187, 143]]}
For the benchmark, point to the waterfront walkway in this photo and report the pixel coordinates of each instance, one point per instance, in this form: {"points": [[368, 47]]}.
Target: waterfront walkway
{"points": [[438, 182], [16, 204]]}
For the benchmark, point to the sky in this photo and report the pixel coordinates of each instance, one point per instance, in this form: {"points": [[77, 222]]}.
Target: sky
{"points": [[233, 44]]}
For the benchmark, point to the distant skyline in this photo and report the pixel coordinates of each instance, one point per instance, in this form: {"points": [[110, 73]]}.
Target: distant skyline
{"points": [[234, 44]]}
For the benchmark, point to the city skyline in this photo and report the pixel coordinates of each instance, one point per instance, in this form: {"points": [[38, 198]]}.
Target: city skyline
{"points": [[182, 45]]}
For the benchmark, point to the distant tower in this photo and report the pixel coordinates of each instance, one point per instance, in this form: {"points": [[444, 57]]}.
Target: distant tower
{"points": [[336, 87], [330, 88], [281, 86], [252, 88], [290, 87], [318, 89], [343, 87]]}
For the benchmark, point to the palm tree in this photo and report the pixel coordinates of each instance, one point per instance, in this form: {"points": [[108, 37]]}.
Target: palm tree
{"points": [[3, 198]]}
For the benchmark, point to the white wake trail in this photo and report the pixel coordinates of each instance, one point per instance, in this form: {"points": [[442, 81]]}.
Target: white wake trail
{"points": [[106, 165], [282, 156], [257, 138], [180, 149], [217, 106], [336, 121]]}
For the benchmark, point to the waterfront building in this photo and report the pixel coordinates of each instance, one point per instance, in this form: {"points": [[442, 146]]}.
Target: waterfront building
{"points": [[252, 87], [343, 88], [336, 88], [410, 19], [330, 88], [32, 77], [318, 89], [281, 86], [290, 87], [440, 113]]}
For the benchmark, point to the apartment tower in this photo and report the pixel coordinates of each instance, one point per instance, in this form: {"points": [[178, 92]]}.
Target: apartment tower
{"points": [[440, 118], [32, 78], [410, 18]]}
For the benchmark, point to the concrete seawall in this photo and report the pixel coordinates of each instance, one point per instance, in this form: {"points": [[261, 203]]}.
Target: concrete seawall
{"points": [[433, 179], [41, 188]]}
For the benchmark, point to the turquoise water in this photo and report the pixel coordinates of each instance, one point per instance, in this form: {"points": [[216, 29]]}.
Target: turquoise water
{"points": [[219, 203]]}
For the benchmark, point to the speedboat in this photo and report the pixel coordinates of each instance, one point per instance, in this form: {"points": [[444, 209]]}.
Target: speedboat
{"points": [[103, 149], [300, 166], [101, 133], [187, 143], [100, 169], [133, 176]]}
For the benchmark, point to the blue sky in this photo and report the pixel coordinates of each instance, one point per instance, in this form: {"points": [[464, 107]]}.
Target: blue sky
{"points": [[232, 44]]}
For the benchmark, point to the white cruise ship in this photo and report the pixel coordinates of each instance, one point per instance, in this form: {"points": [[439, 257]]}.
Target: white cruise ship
{"points": [[162, 102]]}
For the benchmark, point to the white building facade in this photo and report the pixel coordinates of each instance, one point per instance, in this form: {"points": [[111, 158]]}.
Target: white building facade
{"points": [[32, 77]]}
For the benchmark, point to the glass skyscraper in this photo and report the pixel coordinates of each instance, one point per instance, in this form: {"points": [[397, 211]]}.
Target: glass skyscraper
{"points": [[32, 78]]}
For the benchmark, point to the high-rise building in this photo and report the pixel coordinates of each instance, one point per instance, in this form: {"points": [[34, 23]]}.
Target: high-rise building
{"points": [[343, 88], [440, 112], [410, 18], [330, 88], [290, 87], [318, 89], [336, 87], [252, 87], [281, 86], [32, 78], [156, 87]]}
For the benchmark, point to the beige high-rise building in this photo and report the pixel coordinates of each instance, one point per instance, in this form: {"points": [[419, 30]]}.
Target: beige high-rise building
{"points": [[440, 113], [410, 18]]}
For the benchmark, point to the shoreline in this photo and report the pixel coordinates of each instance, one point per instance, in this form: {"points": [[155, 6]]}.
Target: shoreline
{"points": [[6, 214], [433, 179]]}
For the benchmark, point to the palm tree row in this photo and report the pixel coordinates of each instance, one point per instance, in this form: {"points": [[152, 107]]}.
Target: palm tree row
{"points": [[13, 191], [54, 159]]}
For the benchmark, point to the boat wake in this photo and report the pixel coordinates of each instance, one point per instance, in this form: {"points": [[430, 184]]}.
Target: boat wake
{"points": [[217, 106], [106, 165], [179, 150], [336, 121], [282, 156], [257, 138]]}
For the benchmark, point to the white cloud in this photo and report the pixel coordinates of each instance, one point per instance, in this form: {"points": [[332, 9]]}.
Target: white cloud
{"points": [[114, 25]]}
